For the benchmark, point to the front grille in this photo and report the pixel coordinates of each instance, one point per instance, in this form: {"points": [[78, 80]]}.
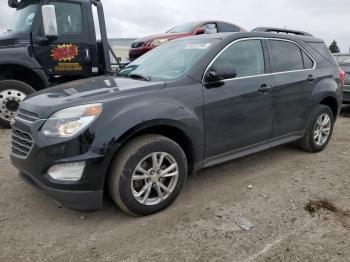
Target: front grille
{"points": [[27, 116], [137, 44], [22, 143]]}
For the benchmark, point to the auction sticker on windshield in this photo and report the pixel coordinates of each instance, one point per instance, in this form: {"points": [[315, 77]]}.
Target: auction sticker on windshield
{"points": [[198, 46]]}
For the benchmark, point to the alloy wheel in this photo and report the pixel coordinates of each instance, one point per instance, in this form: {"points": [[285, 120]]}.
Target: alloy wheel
{"points": [[322, 129], [154, 178]]}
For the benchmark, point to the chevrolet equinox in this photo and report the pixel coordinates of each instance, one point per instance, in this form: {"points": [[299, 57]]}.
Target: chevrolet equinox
{"points": [[187, 105]]}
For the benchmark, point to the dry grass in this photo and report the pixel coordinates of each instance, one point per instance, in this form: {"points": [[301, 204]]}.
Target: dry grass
{"points": [[315, 205]]}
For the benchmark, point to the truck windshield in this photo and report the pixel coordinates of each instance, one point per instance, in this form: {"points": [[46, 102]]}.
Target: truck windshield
{"points": [[169, 61], [24, 16]]}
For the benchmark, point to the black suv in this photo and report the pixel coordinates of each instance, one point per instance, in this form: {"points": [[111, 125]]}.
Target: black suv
{"points": [[189, 104]]}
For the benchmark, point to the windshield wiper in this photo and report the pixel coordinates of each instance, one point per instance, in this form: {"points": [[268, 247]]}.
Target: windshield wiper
{"points": [[139, 76]]}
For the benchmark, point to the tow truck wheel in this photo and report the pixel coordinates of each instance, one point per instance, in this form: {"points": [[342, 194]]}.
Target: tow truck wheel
{"points": [[12, 93]]}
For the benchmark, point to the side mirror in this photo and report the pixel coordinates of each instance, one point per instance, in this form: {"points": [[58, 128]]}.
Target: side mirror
{"points": [[221, 72], [49, 21], [200, 31], [13, 3]]}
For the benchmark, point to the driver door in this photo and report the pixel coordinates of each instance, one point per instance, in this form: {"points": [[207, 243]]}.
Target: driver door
{"points": [[69, 54], [238, 112]]}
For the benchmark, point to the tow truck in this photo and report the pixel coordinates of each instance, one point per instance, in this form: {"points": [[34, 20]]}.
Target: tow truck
{"points": [[50, 42]]}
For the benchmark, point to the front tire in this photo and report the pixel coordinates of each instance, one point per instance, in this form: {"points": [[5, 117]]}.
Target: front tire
{"points": [[319, 131], [12, 93], [147, 175]]}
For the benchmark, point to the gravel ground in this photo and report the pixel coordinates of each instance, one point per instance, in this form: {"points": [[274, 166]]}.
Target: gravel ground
{"points": [[269, 189]]}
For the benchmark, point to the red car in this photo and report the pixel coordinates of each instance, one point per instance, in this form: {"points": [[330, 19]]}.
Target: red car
{"points": [[145, 44]]}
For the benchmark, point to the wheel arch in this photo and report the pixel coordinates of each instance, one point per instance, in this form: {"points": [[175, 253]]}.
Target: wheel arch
{"points": [[165, 128], [10, 71], [332, 103]]}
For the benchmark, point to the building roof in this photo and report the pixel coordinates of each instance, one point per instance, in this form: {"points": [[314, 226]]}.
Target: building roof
{"points": [[342, 58]]}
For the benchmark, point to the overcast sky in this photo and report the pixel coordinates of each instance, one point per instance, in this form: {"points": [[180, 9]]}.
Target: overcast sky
{"points": [[134, 18]]}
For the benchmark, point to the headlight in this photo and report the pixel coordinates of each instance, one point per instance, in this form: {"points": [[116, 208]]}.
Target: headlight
{"points": [[159, 42], [70, 121]]}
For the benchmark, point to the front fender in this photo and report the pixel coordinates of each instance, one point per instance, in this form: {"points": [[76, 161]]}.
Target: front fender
{"points": [[19, 56], [133, 117]]}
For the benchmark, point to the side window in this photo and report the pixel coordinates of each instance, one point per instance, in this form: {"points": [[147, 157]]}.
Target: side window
{"points": [[210, 28], [285, 56], [225, 27], [68, 18], [246, 56], [308, 63]]}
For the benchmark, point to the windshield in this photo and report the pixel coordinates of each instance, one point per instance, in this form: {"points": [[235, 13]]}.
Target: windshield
{"points": [[185, 28], [169, 61], [24, 17]]}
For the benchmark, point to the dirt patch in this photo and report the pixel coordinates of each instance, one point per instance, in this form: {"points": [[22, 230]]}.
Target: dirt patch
{"points": [[269, 189], [315, 205]]}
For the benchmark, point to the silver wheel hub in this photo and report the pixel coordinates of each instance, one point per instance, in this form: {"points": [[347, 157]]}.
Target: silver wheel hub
{"points": [[322, 129], [154, 178], [10, 100]]}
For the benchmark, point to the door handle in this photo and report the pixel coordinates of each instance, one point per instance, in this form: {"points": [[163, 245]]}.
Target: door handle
{"points": [[310, 78], [87, 55], [264, 88]]}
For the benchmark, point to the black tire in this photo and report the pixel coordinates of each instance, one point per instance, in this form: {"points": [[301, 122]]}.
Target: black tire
{"points": [[12, 85], [308, 142], [119, 179]]}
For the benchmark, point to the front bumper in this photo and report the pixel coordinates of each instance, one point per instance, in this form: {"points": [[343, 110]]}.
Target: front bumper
{"points": [[85, 194], [78, 200]]}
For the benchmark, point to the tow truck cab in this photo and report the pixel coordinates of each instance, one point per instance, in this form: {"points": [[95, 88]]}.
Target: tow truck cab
{"points": [[50, 42]]}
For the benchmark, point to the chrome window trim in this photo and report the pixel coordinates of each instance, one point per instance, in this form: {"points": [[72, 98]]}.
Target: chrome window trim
{"points": [[266, 74]]}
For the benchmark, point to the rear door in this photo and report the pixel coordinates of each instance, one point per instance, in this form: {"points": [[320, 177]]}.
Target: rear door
{"points": [[69, 54], [238, 112], [294, 80]]}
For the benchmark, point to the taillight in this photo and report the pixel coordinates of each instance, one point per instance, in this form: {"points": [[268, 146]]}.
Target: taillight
{"points": [[342, 78]]}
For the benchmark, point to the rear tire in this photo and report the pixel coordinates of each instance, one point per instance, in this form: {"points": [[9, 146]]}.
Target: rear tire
{"points": [[153, 188], [12, 92], [319, 131]]}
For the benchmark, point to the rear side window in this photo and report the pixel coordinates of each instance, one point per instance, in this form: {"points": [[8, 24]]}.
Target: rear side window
{"points": [[322, 49], [246, 56], [308, 63], [285, 56]]}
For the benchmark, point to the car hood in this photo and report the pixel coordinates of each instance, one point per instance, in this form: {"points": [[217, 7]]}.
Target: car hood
{"points": [[11, 39], [169, 36], [92, 90]]}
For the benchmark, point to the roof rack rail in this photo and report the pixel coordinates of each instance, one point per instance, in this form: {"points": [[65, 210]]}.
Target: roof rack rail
{"points": [[281, 30]]}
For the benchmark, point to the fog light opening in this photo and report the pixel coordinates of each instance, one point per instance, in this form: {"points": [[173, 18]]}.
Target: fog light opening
{"points": [[67, 172]]}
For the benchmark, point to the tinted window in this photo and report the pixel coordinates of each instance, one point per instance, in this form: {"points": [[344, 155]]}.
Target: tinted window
{"points": [[246, 56], [210, 28], [308, 63], [23, 17], [68, 17], [285, 56], [225, 27], [322, 49]]}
